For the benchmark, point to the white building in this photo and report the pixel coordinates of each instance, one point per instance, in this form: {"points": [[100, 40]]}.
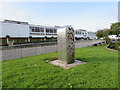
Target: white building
{"points": [[22, 32], [91, 35], [80, 34], [14, 29], [113, 37], [17, 29], [83, 34]]}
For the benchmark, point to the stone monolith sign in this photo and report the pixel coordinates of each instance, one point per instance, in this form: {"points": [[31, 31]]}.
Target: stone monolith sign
{"points": [[66, 45]]}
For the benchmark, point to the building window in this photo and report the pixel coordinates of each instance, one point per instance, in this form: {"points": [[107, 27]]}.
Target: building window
{"points": [[51, 30], [47, 30], [41, 29], [80, 33], [76, 32], [18, 23], [55, 30]]}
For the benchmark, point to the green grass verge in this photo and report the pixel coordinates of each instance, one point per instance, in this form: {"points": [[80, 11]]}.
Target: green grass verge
{"points": [[101, 71]]}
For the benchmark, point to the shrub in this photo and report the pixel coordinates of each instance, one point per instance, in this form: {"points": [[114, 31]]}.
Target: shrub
{"points": [[114, 45]]}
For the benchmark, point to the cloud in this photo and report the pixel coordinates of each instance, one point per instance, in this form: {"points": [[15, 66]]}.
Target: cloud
{"points": [[59, 0], [23, 15], [88, 20], [13, 12]]}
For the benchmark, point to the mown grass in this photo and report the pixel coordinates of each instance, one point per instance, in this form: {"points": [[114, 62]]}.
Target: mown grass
{"points": [[101, 71]]}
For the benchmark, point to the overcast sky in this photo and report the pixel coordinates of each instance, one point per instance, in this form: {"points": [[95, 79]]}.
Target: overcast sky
{"points": [[81, 15]]}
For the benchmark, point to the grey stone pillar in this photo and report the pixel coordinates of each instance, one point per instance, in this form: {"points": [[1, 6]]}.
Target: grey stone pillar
{"points": [[66, 45]]}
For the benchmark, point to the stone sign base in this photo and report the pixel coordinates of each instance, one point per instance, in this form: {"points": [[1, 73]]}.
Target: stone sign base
{"points": [[66, 66]]}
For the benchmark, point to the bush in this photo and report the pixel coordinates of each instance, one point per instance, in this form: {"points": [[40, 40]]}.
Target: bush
{"points": [[114, 45]]}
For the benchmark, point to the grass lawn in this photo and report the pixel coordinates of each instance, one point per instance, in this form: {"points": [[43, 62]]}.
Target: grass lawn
{"points": [[101, 71]]}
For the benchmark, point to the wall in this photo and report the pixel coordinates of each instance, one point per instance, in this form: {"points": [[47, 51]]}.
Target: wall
{"points": [[24, 52], [15, 30]]}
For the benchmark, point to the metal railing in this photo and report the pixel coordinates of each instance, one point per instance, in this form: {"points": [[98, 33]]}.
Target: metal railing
{"points": [[27, 45]]}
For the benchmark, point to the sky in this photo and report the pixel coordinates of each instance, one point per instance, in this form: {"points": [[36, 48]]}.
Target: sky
{"points": [[90, 16]]}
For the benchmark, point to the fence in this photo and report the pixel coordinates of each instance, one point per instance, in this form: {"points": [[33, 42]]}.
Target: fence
{"points": [[24, 50]]}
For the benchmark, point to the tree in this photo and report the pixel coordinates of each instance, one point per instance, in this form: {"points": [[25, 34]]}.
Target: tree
{"points": [[114, 30], [115, 27], [102, 33], [106, 32], [99, 33]]}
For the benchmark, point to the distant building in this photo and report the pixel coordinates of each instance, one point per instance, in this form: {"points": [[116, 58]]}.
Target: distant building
{"points": [[80, 34], [14, 29], [42, 31], [83, 34], [18, 32], [114, 36], [91, 35]]}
